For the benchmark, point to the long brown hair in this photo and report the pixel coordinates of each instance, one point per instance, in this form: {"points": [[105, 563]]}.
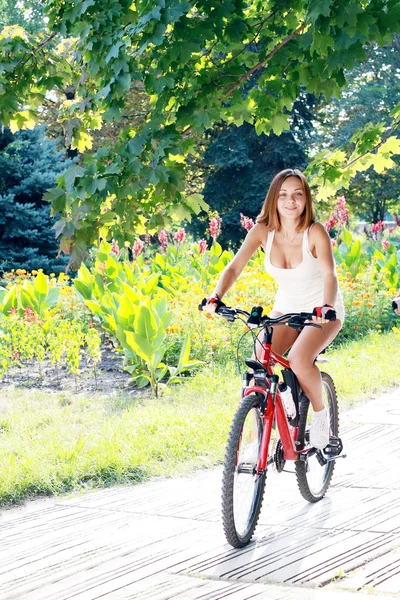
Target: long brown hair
{"points": [[269, 213]]}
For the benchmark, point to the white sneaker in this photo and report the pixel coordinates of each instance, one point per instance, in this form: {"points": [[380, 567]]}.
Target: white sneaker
{"points": [[319, 430]]}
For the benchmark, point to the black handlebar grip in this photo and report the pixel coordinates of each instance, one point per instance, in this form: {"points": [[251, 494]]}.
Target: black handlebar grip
{"points": [[331, 315], [203, 303]]}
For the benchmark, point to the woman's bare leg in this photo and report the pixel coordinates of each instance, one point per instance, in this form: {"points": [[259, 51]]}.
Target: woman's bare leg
{"points": [[282, 339], [305, 349]]}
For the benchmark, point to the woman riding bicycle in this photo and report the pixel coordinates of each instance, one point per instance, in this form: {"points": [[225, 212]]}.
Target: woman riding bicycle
{"points": [[298, 255]]}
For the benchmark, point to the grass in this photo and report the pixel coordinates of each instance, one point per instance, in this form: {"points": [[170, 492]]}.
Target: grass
{"points": [[51, 444]]}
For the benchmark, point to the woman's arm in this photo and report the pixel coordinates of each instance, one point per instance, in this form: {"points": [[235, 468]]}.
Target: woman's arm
{"points": [[321, 241], [254, 239]]}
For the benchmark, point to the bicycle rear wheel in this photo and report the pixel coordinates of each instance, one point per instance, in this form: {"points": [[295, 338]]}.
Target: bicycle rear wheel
{"points": [[242, 489], [313, 478]]}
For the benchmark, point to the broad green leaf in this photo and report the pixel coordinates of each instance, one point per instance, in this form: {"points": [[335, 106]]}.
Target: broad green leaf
{"points": [[40, 286], [145, 324], [185, 352], [10, 300], [346, 237], [140, 345], [83, 289]]}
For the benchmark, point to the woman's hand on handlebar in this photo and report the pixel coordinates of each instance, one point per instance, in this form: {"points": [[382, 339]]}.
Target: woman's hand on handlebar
{"points": [[212, 304], [324, 314]]}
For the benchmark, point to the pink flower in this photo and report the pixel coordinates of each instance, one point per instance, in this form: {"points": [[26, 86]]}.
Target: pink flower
{"points": [[202, 246], [333, 242], [341, 202], [15, 355], [246, 222], [115, 247], [341, 212], [330, 223], [147, 239], [163, 239], [385, 244], [391, 229], [215, 227], [137, 247], [30, 315], [376, 229], [180, 236]]}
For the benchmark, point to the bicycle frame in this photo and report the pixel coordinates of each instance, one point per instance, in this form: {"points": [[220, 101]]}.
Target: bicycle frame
{"points": [[273, 406]]}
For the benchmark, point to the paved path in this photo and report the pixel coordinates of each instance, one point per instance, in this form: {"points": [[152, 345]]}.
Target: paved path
{"points": [[163, 540]]}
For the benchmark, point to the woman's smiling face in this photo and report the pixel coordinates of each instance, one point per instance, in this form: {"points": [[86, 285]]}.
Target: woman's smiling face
{"points": [[291, 199]]}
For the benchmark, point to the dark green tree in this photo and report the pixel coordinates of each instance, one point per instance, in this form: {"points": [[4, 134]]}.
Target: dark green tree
{"points": [[244, 164], [29, 165]]}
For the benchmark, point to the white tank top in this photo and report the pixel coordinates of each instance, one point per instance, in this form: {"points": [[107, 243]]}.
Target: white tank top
{"points": [[302, 288]]}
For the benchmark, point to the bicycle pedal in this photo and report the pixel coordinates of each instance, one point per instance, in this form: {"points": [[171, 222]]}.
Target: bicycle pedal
{"points": [[334, 448]]}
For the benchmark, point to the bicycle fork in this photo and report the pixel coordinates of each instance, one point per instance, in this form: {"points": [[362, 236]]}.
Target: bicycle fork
{"points": [[274, 408]]}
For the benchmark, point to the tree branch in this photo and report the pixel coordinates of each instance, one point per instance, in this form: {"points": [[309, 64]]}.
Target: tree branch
{"points": [[378, 145], [260, 26], [253, 69], [262, 62], [33, 52]]}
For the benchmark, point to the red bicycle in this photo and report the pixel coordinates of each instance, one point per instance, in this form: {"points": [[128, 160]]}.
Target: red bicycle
{"points": [[262, 434]]}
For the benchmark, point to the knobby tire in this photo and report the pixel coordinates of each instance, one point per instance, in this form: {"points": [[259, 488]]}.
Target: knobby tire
{"points": [[233, 536], [301, 467]]}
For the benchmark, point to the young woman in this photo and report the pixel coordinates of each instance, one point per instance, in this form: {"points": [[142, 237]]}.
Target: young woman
{"points": [[298, 254]]}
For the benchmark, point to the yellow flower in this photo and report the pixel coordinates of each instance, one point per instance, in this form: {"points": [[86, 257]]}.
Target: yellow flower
{"points": [[173, 328], [52, 274], [378, 326], [34, 272], [369, 304]]}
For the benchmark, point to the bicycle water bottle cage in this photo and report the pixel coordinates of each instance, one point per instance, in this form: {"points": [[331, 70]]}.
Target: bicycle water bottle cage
{"points": [[291, 381]]}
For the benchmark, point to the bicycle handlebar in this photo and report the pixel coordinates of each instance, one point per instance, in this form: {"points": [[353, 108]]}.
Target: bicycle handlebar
{"points": [[295, 320], [292, 319]]}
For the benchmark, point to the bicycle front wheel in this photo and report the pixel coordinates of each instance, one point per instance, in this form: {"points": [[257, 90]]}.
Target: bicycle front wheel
{"points": [[314, 478], [242, 488]]}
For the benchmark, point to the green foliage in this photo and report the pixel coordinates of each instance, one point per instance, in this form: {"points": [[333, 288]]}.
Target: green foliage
{"points": [[36, 296], [35, 326], [359, 123], [195, 62], [130, 302]]}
